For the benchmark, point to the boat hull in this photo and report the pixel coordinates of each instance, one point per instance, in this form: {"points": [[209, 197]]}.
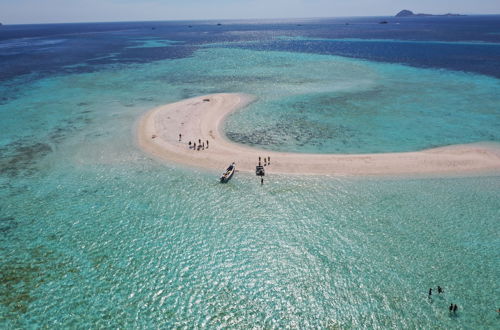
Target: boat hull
{"points": [[227, 178], [228, 174]]}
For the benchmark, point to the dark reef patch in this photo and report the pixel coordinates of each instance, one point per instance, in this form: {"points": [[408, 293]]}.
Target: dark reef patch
{"points": [[7, 224], [19, 157], [19, 278], [257, 137], [146, 99], [57, 135], [292, 132]]}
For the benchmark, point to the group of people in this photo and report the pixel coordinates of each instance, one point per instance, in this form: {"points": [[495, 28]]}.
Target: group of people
{"points": [[440, 290], [202, 145], [453, 307], [267, 161]]}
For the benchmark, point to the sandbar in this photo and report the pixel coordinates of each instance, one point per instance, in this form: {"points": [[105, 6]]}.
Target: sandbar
{"points": [[201, 118]]}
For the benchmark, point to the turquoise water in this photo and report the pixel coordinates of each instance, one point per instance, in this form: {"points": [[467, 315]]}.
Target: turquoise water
{"points": [[95, 233], [153, 43], [140, 244], [333, 105], [306, 102]]}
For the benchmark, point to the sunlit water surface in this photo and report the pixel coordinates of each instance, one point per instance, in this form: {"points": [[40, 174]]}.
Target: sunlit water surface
{"points": [[95, 233]]}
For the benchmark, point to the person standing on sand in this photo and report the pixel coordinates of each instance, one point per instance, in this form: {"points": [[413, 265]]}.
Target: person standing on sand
{"points": [[180, 137], [189, 144], [194, 146], [259, 159], [268, 160], [207, 144]]}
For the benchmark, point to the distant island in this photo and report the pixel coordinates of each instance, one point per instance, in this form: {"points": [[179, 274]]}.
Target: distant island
{"points": [[409, 13]]}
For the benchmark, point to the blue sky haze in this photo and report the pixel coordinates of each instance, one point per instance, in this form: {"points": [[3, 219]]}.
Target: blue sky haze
{"points": [[57, 11]]}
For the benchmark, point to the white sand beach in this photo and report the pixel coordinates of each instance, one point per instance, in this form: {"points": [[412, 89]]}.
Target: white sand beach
{"points": [[202, 118]]}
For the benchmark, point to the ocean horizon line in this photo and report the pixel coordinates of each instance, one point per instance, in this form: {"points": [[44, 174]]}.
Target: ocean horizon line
{"points": [[256, 20]]}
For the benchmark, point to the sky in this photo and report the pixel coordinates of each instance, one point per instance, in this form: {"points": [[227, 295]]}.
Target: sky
{"points": [[60, 11]]}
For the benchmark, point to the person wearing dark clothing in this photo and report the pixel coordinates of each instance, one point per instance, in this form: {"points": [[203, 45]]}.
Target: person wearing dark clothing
{"points": [[261, 181], [269, 160], [455, 308], [440, 289], [180, 137], [430, 292], [207, 144], [451, 308], [194, 146]]}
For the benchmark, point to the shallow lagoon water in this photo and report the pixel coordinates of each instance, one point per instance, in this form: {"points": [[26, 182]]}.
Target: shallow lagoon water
{"points": [[95, 233], [329, 104], [143, 244]]}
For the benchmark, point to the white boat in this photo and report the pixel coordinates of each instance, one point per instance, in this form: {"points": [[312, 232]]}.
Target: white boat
{"points": [[228, 174]]}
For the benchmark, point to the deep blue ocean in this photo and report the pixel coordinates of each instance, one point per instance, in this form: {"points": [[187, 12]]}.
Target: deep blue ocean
{"points": [[469, 43], [96, 233]]}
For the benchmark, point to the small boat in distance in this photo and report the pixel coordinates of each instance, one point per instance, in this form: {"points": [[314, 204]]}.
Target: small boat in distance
{"points": [[228, 174]]}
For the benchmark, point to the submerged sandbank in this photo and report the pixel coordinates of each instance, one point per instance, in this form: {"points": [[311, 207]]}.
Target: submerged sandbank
{"points": [[202, 118]]}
